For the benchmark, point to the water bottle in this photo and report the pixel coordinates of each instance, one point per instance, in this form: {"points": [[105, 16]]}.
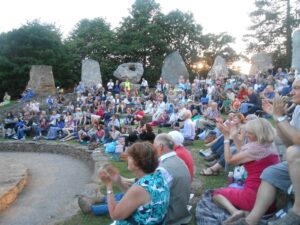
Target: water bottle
{"points": [[230, 178]]}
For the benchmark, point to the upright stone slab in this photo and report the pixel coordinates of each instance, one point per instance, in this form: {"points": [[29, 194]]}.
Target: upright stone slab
{"points": [[90, 72], [296, 51], [131, 71], [41, 80], [219, 69], [174, 67], [261, 62]]}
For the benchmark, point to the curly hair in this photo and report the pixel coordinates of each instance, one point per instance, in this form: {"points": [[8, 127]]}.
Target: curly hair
{"points": [[144, 155]]}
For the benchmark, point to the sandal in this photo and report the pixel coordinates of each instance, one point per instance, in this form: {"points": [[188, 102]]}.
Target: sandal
{"points": [[209, 172], [210, 164]]}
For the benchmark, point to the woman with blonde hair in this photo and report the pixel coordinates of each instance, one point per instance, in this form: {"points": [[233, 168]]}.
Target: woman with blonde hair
{"points": [[257, 154]]}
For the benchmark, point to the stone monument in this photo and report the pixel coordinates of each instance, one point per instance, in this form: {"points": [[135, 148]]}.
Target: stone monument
{"points": [[90, 72], [219, 69], [261, 62], [41, 80], [296, 51], [174, 67], [131, 71]]}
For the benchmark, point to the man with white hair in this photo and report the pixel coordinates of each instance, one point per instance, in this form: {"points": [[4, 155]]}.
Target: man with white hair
{"points": [[181, 151], [177, 176]]}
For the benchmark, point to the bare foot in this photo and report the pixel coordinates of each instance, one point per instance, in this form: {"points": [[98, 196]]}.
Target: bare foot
{"points": [[234, 217]]}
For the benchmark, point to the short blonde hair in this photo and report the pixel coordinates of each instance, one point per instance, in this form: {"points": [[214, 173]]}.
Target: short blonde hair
{"points": [[262, 129]]}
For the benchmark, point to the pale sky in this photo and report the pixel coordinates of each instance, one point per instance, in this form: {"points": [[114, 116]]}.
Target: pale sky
{"points": [[215, 16]]}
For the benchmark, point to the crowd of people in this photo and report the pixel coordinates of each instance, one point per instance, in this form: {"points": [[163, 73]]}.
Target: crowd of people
{"points": [[121, 119]]}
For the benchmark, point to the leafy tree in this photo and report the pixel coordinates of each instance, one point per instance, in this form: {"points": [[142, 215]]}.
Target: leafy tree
{"points": [[92, 39], [219, 44], [184, 35], [141, 37], [32, 44], [273, 23]]}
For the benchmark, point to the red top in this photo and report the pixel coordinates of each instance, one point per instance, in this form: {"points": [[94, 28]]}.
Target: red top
{"points": [[186, 156]]}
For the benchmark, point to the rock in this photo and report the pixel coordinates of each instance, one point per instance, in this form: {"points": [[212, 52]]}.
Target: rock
{"points": [[174, 67], [219, 69], [261, 62], [90, 72], [13, 178], [41, 80], [131, 71], [296, 51]]}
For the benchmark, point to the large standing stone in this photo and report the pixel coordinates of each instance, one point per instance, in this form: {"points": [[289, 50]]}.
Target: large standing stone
{"points": [[131, 71], [219, 69], [90, 72], [174, 67], [296, 51], [261, 62], [41, 80]]}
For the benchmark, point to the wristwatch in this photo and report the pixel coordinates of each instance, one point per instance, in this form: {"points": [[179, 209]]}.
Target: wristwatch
{"points": [[280, 119], [109, 192]]}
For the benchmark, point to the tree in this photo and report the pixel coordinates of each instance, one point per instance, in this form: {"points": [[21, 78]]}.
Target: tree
{"points": [[219, 44], [273, 23], [184, 35], [141, 37], [92, 39], [32, 44]]}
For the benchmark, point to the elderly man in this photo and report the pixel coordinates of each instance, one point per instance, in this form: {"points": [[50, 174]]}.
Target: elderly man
{"points": [[282, 175], [178, 177]]}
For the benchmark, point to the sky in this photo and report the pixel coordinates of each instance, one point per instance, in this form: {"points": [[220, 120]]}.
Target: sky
{"points": [[215, 16]]}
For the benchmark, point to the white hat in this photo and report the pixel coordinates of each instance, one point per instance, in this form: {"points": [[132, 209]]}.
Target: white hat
{"points": [[177, 137]]}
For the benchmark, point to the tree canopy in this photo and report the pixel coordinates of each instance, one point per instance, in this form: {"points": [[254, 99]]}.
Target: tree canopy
{"points": [[273, 24], [146, 35], [32, 44]]}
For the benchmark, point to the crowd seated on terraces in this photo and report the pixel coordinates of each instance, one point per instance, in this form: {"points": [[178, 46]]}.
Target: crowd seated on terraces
{"points": [[112, 117]]}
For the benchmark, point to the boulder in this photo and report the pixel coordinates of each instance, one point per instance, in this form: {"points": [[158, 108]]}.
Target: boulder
{"points": [[131, 71], [219, 69], [90, 72], [261, 62], [41, 80], [174, 67], [296, 51]]}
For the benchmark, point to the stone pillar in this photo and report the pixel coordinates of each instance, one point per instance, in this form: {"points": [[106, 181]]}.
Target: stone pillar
{"points": [[90, 72], [219, 69], [296, 51], [261, 62], [173, 68], [41, 80]]}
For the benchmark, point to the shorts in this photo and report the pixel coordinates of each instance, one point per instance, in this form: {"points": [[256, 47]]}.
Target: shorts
{"points": [[278, 176]]}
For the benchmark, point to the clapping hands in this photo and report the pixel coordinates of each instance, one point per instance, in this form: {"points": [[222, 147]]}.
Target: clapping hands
{"points": [[109, 174], [277, 108]]}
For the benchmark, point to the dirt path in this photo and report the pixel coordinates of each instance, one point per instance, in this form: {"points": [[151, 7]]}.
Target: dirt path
{"points": [[51, 193]]}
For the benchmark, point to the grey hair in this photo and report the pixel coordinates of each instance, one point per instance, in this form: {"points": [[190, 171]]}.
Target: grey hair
{"points": [[166, 140]]}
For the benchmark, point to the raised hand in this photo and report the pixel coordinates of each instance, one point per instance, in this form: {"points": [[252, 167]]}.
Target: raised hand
{"points": [[278, 106], [267, 106], [113, 173], [104, 177]]}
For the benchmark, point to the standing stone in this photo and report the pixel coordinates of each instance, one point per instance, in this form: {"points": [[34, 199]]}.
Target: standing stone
{"points": [[219, 69], [131, 71], [41, 80], [90, 72], [261, 62], [174, 67], [296, 51]]}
